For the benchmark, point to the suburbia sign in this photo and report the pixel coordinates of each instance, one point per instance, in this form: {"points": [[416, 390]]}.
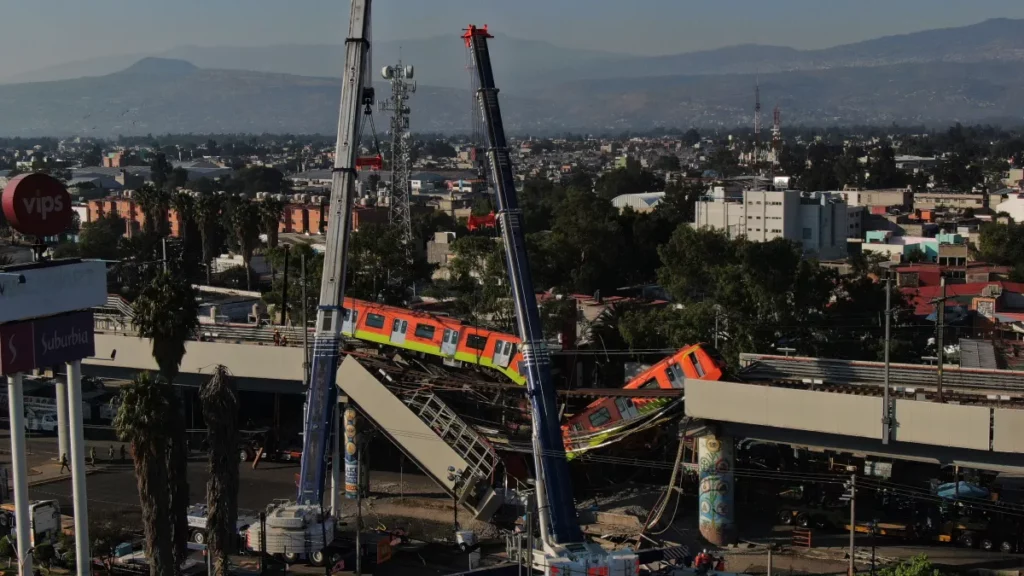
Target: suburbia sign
{"points": [[37, 205], [46, 342]]}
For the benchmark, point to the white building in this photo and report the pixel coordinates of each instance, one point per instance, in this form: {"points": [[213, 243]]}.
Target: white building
{"points": [[642, 202], [816, 220]]}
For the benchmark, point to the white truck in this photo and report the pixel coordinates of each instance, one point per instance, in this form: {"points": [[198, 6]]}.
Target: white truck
{"points": [[198, 516], [44, 521], [295, 533]]}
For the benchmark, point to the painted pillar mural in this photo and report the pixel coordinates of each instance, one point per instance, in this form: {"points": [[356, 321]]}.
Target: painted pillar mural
{"points": [[716, 502], [351, 448]]}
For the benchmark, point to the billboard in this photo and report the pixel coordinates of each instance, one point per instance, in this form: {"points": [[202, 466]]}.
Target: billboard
{"points": [[53, 288], [46, 342]]}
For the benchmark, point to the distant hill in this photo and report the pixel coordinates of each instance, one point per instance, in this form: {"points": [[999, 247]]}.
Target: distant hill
{"points": [[158, 95], [525, 65]]}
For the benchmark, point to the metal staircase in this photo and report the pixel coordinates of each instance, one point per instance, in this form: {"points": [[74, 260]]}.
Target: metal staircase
{"points": [[463, 438]]}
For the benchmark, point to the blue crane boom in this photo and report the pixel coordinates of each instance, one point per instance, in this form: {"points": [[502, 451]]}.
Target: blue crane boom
{"points": [[321, 396], [556, 504]]}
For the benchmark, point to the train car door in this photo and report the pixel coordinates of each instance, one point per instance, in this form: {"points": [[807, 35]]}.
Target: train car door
{"points": [[348, 324], [449, 342], [502, 353], [398, 329], [675, 375], [626, 408]]}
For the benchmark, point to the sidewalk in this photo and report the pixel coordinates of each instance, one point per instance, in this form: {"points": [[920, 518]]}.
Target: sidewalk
{"points": [[48, 473]]}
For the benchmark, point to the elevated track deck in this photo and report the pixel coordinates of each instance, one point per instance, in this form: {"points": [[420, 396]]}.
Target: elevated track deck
{"points": [[906, 377]]}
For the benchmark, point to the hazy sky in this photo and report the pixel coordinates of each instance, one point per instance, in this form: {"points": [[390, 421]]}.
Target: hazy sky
{"points": [[41, 33]]}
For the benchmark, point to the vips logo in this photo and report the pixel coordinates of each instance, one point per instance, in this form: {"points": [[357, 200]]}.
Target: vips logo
{"points": [[37, 205]]}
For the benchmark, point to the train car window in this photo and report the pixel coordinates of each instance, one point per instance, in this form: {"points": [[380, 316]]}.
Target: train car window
{"points": [[374, 320], [650, 384], [600, 418], [476, 342], [577, 427], [425, 331], [696, 365]]}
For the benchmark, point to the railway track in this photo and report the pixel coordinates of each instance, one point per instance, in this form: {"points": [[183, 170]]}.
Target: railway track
{"points": [[830, 372]]}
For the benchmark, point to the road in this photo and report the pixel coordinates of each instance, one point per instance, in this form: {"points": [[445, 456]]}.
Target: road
{"points": [[114, 489]]}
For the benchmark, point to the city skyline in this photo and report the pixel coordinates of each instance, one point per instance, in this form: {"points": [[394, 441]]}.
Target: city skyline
{"points": [[103, 28]]}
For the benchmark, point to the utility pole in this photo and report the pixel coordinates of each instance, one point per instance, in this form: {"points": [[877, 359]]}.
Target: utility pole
{"points": [[938, 338], [886, 412], [305, 324], [851, 495], [284, 288]]}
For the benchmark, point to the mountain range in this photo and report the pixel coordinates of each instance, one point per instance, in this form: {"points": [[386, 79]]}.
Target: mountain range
{"points": [[967, 74]]}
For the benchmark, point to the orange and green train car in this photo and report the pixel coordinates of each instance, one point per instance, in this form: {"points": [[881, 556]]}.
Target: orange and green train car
{"points": [[599, 421], [442, 336]]}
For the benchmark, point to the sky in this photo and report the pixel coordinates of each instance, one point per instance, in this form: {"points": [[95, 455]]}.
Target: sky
{"points": [[43, 33]]}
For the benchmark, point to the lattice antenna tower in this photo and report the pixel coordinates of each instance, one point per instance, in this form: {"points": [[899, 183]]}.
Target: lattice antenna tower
{"points": [[777, 135], [402, 87], [757, 122]]}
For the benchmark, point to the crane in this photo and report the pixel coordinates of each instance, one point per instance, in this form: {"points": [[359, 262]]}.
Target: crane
{"points": [[302, 528], [564, 548], [321, 396]]}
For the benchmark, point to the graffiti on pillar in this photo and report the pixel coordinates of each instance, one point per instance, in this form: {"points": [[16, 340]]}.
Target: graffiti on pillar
{"points": [[351, 454], [716, 490]]}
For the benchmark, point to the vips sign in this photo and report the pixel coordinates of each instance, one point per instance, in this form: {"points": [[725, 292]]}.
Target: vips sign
{"points": [[37, 205], [46, 342]]}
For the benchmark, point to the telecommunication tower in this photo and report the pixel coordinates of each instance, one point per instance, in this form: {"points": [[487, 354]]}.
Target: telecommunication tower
{"points": [[402, 87], [776, 136], [757, 123]]}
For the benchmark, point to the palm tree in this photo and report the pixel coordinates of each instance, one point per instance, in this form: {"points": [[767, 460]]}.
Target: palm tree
{"points": [[185, 207], [207, 211], [245, 219], [271, 211], [219, 398], [167, 312], [155, 204], [142, 421]]}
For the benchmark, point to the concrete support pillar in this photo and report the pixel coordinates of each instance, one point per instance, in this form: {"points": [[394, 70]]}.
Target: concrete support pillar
{"points": [[716, 503], [63, 431], [19, 469], [351, 455], [77, 459]]}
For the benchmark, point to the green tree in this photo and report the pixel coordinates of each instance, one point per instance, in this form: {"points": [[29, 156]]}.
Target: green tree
{"points": [[680, 201], [160, 171], [479, 281], [178, 178], [916, 566], [92, 157], [378, 269], [208, 218], [585, 242], [142, 420], [155, 203], [629, 180], [883, 170], [245, 222], [848, 169], [271, 212], [669, 163], [314, 268], [219, 397], [167, 312], [99, 239]]}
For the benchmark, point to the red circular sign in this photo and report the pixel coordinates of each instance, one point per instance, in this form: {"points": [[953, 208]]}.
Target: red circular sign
{"points": [[37, 205]]}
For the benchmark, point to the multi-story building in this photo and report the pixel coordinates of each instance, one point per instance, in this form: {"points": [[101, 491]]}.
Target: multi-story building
{"points": [[933, 199], [818, 221]]}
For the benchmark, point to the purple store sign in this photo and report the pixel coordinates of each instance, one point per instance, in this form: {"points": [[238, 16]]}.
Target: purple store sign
{"points": [[46, 342], [61, 339]]}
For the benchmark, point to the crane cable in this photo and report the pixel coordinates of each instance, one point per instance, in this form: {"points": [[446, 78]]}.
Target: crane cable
{"points": [[663, 504]]}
